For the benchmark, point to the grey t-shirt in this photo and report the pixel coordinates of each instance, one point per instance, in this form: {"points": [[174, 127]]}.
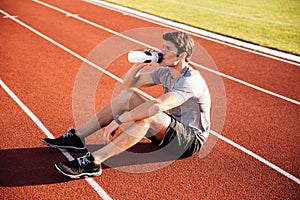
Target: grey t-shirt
{"points": [[193, 94]]}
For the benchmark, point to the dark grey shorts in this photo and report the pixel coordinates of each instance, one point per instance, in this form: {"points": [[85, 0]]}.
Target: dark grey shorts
{"points": [[179, 140]]}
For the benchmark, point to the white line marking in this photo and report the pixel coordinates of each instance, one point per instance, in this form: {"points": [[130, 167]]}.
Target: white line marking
{"points": [[93, 183], [248, 84], [288, 175], [144, 44], [14, 16], [72, 15], [89, 22], [26, 110], [255, 49], [278, 169]]}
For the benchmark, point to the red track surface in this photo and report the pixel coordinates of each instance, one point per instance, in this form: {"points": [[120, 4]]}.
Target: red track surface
{"points": [[43, 75]]}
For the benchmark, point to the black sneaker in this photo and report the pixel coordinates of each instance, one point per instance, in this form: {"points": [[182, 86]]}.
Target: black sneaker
{"points": [[68, 141], [80, 167]]}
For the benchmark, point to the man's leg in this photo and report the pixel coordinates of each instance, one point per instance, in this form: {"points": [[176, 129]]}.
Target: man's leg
{"points": [[74, 139], [125, 101], [158, 125], [90, 164]]}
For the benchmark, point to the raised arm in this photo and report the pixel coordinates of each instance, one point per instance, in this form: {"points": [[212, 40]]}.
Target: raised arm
{"points": [[135, 78]]}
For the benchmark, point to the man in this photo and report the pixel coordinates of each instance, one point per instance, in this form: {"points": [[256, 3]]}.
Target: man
{"points": [[179, 120]]}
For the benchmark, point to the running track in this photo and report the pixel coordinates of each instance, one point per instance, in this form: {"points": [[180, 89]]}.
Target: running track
{"points": [[42, 76]]}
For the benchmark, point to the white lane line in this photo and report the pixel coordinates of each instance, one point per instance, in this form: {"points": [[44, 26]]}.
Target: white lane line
{"points": [[32, 116], [248, 84], [72, 15], [26, 110], [255, 49], [261, 159], [76, 16], [147, 45], [14, 16], [288, 175]]}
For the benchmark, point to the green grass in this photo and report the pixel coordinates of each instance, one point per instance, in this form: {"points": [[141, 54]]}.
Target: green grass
{"points": [[271, 23]]}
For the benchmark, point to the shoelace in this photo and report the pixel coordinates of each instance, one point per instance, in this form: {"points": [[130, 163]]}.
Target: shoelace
{"points": [[68, 134], [83, 160]]}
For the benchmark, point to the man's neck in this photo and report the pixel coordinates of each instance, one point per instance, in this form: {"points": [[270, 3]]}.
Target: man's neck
{"points": [[177, 69]]}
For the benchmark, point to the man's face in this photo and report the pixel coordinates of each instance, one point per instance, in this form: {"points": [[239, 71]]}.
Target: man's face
{"points": [[169, 52]]}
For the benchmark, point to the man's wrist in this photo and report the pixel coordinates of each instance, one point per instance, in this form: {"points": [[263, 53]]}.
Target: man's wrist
{"points": [[117, 119]]}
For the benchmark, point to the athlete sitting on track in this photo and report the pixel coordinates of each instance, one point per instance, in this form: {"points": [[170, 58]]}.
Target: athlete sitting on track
{"points": [[178, 121]]}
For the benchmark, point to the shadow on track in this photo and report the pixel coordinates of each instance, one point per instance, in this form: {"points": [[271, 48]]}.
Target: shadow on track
{"points": [[35, 166], [141, 158], [25, 167]]}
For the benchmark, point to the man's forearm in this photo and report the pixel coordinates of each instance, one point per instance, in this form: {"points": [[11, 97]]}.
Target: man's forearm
{"points": [[152, 107], [143, 111], [132, 75]]}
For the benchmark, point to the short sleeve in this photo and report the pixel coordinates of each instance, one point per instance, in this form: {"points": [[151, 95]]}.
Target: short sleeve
{"points": [[158, 75], [184, 90]]}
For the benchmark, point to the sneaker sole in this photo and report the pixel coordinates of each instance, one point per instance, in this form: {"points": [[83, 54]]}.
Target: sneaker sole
{"points": [[64, 147], [82, 175]]}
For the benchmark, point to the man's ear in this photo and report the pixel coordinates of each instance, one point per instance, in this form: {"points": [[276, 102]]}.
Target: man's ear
{"points": [[182, 55]]}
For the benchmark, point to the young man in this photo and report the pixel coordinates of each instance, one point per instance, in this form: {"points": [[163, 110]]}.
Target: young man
{"points": [[179, 120]]}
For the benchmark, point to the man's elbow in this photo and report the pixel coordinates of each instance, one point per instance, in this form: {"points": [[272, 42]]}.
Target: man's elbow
{"points": [[156, 107]]}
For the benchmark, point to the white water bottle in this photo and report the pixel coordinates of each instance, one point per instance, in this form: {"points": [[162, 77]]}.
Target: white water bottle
{"points": [[145, 57]]}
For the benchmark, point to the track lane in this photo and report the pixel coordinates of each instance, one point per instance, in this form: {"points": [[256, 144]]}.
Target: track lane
{"points": [[254, 145], [254, 149], [158, 193]]}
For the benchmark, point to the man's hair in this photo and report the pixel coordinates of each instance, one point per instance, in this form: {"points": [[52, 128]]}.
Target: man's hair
{"points": [[182, 41]]}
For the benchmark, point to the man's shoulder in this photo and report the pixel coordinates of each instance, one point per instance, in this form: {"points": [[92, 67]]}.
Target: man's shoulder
{"points": [[192, 72], [161, 70]]}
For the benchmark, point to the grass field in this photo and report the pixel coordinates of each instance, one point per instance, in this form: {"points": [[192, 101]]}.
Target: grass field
{"points": [[271, 23]]}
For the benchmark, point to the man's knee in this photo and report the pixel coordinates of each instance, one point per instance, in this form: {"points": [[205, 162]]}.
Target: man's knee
{"points": [[124, 94], [131, 98], [159, 125]]}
